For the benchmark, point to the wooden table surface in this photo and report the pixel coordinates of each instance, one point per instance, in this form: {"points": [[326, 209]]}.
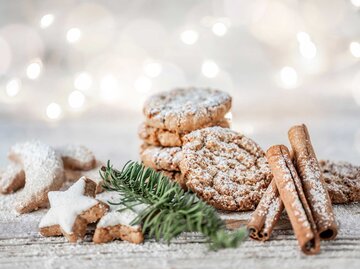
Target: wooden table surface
{"points": [[115, 138]]}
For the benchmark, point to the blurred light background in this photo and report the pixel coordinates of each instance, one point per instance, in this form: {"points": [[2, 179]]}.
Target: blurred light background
{"points": [[79, 71]]}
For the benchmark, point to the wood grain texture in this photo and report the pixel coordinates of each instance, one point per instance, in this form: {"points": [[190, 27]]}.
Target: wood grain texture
{"points": [[28, 248]]}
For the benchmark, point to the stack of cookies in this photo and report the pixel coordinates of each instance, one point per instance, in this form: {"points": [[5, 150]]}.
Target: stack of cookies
{"points": [[169, 116]]}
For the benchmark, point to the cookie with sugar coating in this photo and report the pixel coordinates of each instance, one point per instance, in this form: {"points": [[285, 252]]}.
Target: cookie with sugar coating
{"points": [[44, 172], [161, 158], [186, 109], [117, 224], [77, 157], [12, 178], [166, 138], [72, 210], [342, 181], [225, 168]]}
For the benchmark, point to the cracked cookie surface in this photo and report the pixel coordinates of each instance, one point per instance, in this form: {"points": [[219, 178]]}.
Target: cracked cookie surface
{"points": [[160, 158], [225, 168], [166, 138], [186, 109]]}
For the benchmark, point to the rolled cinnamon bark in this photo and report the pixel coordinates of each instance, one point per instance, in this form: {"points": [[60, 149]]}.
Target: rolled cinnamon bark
{"points": [[313, 182], [293, 197], [266, 215]]}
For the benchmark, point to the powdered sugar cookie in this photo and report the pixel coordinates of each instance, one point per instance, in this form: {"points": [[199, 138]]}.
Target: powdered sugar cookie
{"points": [[77, 157], [342, 181], [12, 179], [161, 158], [71, 211], [225, 168], [117, 224], [44, 172], [93, 174], [186, 109], [166, 138]]}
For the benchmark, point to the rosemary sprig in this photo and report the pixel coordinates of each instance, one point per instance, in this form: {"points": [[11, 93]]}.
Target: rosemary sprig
{"points": [[169, 209]]}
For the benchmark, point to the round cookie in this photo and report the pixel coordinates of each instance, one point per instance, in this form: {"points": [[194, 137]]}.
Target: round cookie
{"points": [[160, 158], [225, 168], [186, 109], [166, 138]]}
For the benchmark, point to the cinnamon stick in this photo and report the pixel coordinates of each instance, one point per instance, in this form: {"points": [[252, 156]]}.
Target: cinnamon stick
{"points": [[266, 215], [293, 197], [313, 182]]}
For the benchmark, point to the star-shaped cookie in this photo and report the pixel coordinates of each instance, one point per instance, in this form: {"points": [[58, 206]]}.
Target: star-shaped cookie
{"points": [[116, 224], [71, 211]]}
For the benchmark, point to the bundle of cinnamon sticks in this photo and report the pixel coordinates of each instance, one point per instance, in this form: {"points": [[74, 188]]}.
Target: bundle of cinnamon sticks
{"points": [[297, 185]]}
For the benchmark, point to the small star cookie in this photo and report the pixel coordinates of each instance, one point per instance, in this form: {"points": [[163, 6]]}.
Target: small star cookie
{"points": [[117, 224], [71, 211]]}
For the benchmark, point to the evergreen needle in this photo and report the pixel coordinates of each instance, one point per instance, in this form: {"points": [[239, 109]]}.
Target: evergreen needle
{"points": [[169, 209]]}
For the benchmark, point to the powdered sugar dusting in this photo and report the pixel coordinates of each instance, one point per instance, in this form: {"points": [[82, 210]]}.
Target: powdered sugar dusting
{"points": [[114, 216], [77, 156], [318, 198], [186, 109], [162, 158], [225, 168], [43, 168], [13, 172], [66, 206], [286, 182]]}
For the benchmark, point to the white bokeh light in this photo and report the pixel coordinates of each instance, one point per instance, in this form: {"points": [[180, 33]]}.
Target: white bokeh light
{"points": [[308, 50], [83, 81], [13, 87], [303, 37], [76, 99], [46, 21], [306, 47], [143, 84], [356, 3], [34, 69], [189, 37], [152, 69], [219, 28], [53, 111], [73, 35], [289, 77], [355, 49], [109, 88], [210, 69]]}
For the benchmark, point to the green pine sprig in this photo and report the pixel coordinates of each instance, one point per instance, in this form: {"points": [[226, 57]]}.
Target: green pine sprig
{"points": [[169, 209]]}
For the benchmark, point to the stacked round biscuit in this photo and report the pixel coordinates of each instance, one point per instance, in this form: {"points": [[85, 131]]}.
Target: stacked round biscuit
{"points": [[169, 116]]}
